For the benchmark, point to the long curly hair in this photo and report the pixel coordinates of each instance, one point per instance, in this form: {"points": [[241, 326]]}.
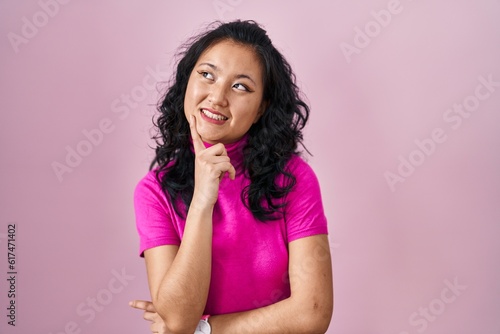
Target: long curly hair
{"points": [[272, 140]]}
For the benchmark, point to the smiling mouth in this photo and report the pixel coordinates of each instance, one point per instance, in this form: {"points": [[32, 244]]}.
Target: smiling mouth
{"points": [[211, 115]]}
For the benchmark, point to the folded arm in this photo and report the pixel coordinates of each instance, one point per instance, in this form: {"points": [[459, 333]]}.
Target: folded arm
{"points": [[179, 277], [309, 308]]}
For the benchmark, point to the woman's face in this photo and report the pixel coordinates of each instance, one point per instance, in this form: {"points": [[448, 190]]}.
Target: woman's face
{"points": [[224, 92]]}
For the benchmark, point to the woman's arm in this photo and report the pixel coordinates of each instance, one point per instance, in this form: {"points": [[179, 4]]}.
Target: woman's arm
{"points": [[179, 278], [310, 306]]}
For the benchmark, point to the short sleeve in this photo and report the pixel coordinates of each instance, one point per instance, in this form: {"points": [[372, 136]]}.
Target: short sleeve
{"points": [[304, 213], [153, 215]]}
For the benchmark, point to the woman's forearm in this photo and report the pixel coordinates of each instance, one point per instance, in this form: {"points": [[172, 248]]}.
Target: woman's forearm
{"points": [[286, 316], [183, 291]]}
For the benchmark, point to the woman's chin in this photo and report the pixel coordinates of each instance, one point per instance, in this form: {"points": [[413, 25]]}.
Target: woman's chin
{"points": [[210, 139]]}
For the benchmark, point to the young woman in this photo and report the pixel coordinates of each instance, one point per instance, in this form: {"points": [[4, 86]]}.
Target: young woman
{"points": [[231, 222]]}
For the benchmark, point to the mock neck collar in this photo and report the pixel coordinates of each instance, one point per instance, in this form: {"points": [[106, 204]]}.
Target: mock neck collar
{"points": [[234, 150]]}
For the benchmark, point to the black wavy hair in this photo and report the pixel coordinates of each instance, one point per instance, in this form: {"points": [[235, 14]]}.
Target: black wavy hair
{"points": [[272, 140]]}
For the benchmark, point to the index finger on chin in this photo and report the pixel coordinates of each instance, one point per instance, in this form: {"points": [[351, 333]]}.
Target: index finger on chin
{"points": [[197, 142]]}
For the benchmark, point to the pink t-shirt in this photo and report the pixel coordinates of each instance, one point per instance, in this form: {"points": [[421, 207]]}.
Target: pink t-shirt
{"points": [[249, 257]]}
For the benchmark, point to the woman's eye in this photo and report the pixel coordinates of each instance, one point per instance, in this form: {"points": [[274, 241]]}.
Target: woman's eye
{"points": [[241, 87], [206, 75]]}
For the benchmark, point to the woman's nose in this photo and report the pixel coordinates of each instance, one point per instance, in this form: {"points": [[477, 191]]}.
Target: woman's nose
{"points": [[218, 95]]}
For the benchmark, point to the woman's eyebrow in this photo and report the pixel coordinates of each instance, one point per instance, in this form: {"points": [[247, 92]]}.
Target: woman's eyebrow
{"points": [[208, 64], [238, 76], [244, 76]]}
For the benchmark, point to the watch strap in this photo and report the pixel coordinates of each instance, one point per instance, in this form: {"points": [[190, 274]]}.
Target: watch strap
{"points": [[204, 326]]}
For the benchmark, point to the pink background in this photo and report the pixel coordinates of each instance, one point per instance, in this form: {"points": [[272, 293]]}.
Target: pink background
{"points": [[395, 250]]}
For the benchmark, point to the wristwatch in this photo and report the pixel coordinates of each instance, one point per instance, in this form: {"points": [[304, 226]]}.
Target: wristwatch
{"points": [[203, 326]]}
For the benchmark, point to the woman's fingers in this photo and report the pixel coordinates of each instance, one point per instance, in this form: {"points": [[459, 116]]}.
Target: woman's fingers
{"points": [[218, 165], [231, 171], [226, 167], [216, 154], [217, 149], [220, 151], [143, 305], [157, 323], [150, 316], [197, 142], [210, 166]]}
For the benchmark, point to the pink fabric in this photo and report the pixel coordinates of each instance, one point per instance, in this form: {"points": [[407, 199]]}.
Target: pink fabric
{"points": [[250, 258]]}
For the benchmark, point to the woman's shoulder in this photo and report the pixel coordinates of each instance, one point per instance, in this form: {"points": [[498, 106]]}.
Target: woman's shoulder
{"points": [[301, 171], [154, 176], [149, 183], [297, 165], [150, 177]]}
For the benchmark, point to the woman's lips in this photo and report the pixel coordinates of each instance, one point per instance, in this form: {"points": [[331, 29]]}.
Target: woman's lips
{"points": [[213, 116]]}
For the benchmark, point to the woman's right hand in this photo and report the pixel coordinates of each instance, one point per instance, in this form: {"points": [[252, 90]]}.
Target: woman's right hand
{"points": [[157, 323], [210, 166]]}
